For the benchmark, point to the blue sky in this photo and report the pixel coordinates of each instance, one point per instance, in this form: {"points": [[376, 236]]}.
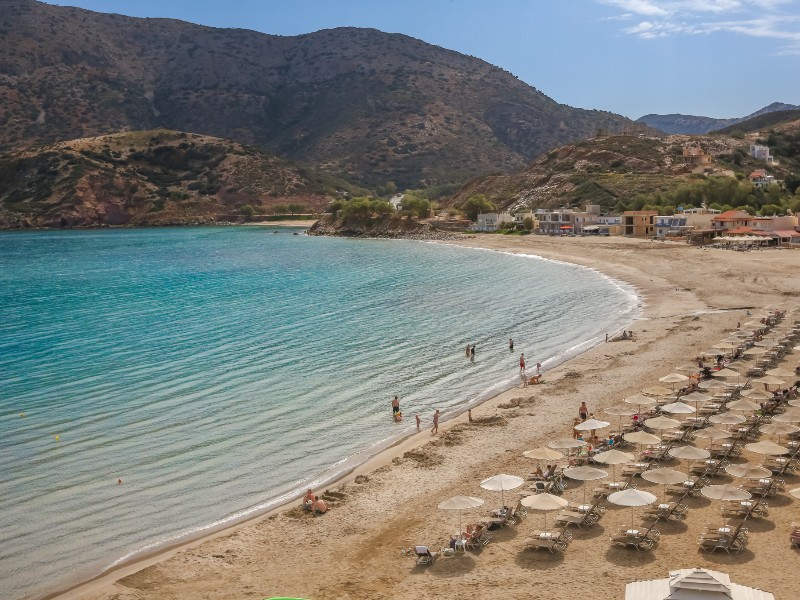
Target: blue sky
{"points": [[718, 58]]}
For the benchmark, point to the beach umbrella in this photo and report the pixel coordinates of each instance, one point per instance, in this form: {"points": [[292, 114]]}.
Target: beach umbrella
{"points": [[543, 454], [767, 448], [769, 380], [787, 417], [673, 378], [747, 471], [696, 398], [641, 437], [614, 457], [501, 483], [742, 404], [689, 453], [678, 408], [591, 425], [661, 423], [726, 493], [711, 384], [725, 346], [584, 474], [781, 372], [779, 428], [633, 498], [727, 372], [664, 476], [657, 390], [544, 503], [726, 418], [460, 503], [757, 394], [755, 351], [620, 411], [712, 433]]}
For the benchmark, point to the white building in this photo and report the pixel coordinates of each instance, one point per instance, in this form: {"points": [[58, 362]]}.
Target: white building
{"points": [[492, 221], [761, 153]]}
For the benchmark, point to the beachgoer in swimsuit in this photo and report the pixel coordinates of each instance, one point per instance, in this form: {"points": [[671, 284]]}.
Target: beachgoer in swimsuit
{"points": [[395, 406], [435, 428], [416, 416], [309, 499], [472, 352], [522, 363], [583, 411], [510, 344]]}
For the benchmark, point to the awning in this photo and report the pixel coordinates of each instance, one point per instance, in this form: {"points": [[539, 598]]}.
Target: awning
{"points": [[591, 228], [566, 227], [786, 233]]}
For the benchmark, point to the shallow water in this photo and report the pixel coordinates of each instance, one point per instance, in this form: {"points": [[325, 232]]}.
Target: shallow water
{"points": [[218, 370]]}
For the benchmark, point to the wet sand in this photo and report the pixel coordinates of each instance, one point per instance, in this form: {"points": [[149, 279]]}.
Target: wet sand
{"points": [[692, 298]]}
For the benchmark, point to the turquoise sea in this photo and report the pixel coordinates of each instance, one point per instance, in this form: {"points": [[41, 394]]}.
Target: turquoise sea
{"points": [[218, 371]]}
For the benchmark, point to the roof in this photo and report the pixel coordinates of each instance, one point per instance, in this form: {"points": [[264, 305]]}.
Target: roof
{"points": [[741, 230], [693, 584], [787, 233], [732, 215]]}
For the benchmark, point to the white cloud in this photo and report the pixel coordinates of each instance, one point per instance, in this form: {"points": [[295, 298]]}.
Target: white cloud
{"points": [[769, 19]]}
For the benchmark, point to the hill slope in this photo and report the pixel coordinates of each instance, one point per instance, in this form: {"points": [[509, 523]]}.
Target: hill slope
{"points": [[612, 171], [376, 106], [150, 178]]}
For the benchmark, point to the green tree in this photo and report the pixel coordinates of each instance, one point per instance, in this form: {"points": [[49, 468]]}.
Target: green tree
{"points": [[295, 208], [771, 209], [527, 223], [475, 205], [247, 211], [280, 209], [417, 206]]}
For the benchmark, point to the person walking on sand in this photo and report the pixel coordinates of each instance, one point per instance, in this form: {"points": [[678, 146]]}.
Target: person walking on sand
{"points": [[510, 345], [522, 363], [435, 428], [395, 406], [583, 411]]}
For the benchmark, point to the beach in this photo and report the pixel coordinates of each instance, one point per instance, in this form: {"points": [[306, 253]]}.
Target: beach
{"points": [[691, 299]]}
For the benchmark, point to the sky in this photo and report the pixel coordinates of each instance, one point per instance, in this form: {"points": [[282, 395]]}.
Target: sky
{"points": [[715, 58]]}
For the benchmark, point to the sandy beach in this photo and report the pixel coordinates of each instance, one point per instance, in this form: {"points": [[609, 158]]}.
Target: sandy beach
{"points": [[691, 299]]}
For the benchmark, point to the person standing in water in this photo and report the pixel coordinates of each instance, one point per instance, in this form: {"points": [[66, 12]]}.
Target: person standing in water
{"points": [[472, 353], [538, 368], [467, 350], [435, 428], [510, 345], [395, 406], [522, 363]]}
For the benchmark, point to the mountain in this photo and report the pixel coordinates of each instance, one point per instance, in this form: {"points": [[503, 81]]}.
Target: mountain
{"points": [[763, 121], [152, 178], [377, 107], [693, 125]]}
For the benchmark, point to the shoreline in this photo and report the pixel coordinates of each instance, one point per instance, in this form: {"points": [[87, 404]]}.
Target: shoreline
{"points": [[372, 462], [659, 299]]}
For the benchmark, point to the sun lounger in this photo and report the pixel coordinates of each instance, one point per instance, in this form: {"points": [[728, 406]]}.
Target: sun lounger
{"points": [[794, 535], [667, 512], [424, 556], [549, 540], [727, 538], [644, 538], [568, 517]]}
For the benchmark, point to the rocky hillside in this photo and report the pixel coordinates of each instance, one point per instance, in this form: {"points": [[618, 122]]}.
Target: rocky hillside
{"points": [[610, 171], [150, 178], [694, 125], [377, 107]]}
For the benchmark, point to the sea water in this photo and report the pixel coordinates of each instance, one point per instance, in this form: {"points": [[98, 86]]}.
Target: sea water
{"points": [[219, 371]]}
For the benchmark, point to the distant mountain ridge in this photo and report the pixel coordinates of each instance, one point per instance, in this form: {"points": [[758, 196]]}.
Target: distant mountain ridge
{"points": [[374, 106], [696, 125]]}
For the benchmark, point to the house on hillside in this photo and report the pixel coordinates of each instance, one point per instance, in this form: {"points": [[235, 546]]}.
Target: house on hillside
{"points": [[761, 179], [639, 223], [760, 152], [695, 160]]}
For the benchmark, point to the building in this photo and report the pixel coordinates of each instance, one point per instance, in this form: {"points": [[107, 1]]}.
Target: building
{"points": [[519, 220], [695, 159], [567, 220], [761, 179], [671, 225], [731, 219], [699, 218], [639, 223], [761, 153], [492, 221]]}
